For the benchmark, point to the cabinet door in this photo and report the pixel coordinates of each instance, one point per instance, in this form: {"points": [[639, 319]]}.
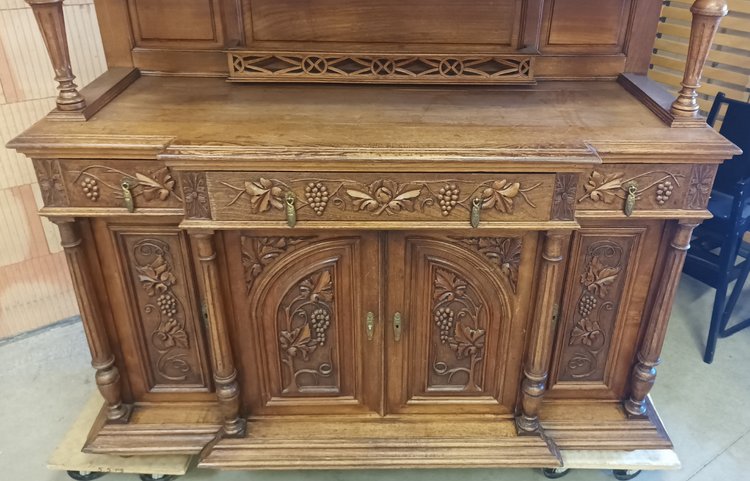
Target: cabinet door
{"points": [[301, 321], [462, 321]]}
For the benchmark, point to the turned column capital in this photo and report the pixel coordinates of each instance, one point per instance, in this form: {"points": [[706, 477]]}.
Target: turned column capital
{"points": [[51, 21], [710, 8], [706, 17]]}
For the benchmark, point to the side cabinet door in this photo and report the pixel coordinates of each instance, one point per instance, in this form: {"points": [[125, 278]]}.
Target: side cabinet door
{"points": [[301, 321], [153, 298], [462, 303]]}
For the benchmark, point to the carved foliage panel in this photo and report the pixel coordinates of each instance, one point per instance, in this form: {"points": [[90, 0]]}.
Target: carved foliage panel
{"points": [[458, 296], [307, 326], [165, 311], [458, 334], [236, 195], [302, 299], [594, 298], [655, 187], [91, 183]]}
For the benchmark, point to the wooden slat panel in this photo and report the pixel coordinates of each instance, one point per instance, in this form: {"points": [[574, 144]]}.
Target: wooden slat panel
{"points": [[728, 66]]}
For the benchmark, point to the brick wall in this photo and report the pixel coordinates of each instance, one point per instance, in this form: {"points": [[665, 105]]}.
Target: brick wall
{"points": [[35, 289]]}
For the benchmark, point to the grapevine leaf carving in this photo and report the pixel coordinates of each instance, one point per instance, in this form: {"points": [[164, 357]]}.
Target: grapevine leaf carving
{"points": [[586, 331], [264, 194], [160, 185], [467, 341], [156, 277], [171, 334], [602, 187], [600, 277]]}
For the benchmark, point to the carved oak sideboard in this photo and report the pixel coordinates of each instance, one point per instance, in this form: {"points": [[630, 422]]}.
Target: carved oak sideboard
{"points": [[279, 269]]}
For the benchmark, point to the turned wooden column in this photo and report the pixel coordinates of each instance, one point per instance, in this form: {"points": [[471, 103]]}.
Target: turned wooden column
{"points": [[644, 372], [706, 17], [102, 358], [49, 17], [225, 373], [536, 367]]}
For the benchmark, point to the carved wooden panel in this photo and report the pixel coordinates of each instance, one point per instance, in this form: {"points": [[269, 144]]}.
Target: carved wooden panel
{"points": [[606, 187], [699, 187], [51, 182], [457, 306], [304, 307], [92, 183], [165, 310], [373, 197], [195, 195], [564, 197], [604, 296], [589, 26], [370, 67]]}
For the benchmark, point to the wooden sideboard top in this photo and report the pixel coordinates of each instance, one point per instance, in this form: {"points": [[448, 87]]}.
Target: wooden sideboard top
{"points": [[193, 118]]}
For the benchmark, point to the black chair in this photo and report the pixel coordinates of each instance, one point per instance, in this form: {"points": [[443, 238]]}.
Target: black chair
{"points": [[717, 244]]}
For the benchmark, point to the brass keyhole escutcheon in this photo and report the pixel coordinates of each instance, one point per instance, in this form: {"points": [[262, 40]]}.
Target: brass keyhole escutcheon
{"points": [[370, 325], [630, 199], [476, 211], [127, 195], [291, 211], [397, 326]]}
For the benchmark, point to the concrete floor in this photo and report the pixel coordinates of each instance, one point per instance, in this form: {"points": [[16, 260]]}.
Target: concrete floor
{"points": [[45, 379]]}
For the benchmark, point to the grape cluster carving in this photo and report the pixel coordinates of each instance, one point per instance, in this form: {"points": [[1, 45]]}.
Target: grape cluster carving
{"points": [[587, 304], [320, 321], [91, 188], [663, 192], [317, 196], [167, 305], [444, 317], [448, 198]]}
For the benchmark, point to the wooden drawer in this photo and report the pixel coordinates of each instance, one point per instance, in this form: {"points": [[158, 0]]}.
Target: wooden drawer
{"points": [[242, 196], [98, 183]]}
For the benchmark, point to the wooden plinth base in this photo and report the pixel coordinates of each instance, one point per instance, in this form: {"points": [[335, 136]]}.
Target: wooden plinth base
{"points": [[68, 456], [371, 442], [378, 443]]}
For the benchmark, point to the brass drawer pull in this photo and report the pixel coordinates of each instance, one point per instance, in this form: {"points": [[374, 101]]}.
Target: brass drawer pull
{"points": [[127, 195], [476, 210], [631, 198], [397, 326], [370, 325], [291, 211]]}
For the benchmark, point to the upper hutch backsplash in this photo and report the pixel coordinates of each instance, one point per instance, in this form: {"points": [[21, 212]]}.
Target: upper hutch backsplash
{"points": [[492, 40]]}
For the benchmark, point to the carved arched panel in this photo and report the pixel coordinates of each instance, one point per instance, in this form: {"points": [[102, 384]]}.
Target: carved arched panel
{"points": [[304, 298], [457, 300]]}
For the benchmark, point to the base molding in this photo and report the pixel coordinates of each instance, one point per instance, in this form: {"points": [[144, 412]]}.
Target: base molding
{"points": [[380, 444], [373, 442]]}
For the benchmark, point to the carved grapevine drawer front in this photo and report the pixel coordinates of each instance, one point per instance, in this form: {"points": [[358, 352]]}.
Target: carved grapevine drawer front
{"points": [[607, 187], [99, 184], [380, 197], [165, 311]]}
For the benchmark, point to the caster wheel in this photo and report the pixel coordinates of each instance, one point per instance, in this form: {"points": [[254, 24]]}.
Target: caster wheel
{"points": [[555, 473], [625, 474], [84, 475], [157, 477]]}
